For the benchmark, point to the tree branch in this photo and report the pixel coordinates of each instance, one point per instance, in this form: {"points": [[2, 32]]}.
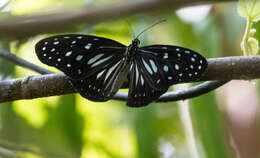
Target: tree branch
{"points": [[21, 27], [19, 61], [224, 69]]}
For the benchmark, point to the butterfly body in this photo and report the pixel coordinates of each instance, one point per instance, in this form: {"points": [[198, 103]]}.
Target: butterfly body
{"points": [[97, 67]]}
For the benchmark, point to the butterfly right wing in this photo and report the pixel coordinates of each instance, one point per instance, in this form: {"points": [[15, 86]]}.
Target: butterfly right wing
{"points": [[157, 67], [78, 56], [165, 65]]}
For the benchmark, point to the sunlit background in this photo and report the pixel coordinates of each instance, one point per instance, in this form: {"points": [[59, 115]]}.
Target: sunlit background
{"points": [[220, 124]]}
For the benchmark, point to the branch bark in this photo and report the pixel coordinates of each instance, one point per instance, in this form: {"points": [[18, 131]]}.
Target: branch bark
{"points": [[224, 69], [21, 27]]}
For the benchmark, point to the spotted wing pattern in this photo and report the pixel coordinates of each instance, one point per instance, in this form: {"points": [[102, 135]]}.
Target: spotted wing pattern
{"points": [[79, 56], [94, 65], [97, 67], [157, 67]]}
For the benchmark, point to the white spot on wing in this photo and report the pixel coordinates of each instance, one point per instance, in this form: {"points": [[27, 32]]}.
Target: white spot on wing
{"points": [[147, 67], [68, 65], [68, 53], [154, 67], [136, 74], [142, 80], [165, 68], [79, 37], [165, 56], [56, 42], [100, 74], [101, 61], [88, 46], [164, 47], [187, 51], [177, 67], [79, 57], [111, 70], [95, 58]]}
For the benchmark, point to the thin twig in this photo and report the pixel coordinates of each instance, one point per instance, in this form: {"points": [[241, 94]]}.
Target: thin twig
{"points": [[7, 153], [15, 148], [19, 61], [20, 27], [182, 94], [226, 68]]}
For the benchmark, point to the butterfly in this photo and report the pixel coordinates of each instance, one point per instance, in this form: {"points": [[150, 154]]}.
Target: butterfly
{"points": [[97, 66]]}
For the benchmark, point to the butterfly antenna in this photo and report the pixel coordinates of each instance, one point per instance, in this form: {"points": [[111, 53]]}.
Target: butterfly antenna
{"points": [[161, 21], [131, 28]]}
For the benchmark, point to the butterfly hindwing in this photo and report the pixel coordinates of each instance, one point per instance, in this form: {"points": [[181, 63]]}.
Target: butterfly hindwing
{"points": [[140, 92], [102, 85], [78, 56]]}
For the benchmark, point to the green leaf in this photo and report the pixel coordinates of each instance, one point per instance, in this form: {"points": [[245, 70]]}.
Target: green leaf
{"points": [[249, 9], [253, 45]]}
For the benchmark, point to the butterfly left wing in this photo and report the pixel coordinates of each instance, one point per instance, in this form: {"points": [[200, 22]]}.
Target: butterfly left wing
{"points": [[102, 85], [95, 65]]}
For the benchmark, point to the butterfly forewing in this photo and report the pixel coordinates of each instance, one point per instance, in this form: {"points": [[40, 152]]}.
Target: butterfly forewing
{"points": [[176, 64], [79, 56]]}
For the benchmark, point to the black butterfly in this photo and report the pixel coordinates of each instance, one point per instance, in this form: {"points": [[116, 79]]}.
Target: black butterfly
{"points": [[99, 66]]}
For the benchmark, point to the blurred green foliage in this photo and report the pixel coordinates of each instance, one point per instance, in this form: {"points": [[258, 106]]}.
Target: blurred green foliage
{"points": [[70, 126]]}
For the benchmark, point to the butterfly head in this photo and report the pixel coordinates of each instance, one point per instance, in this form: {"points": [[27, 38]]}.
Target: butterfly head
{"points": [[134, 45], [132, 49], [135, 42]]}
